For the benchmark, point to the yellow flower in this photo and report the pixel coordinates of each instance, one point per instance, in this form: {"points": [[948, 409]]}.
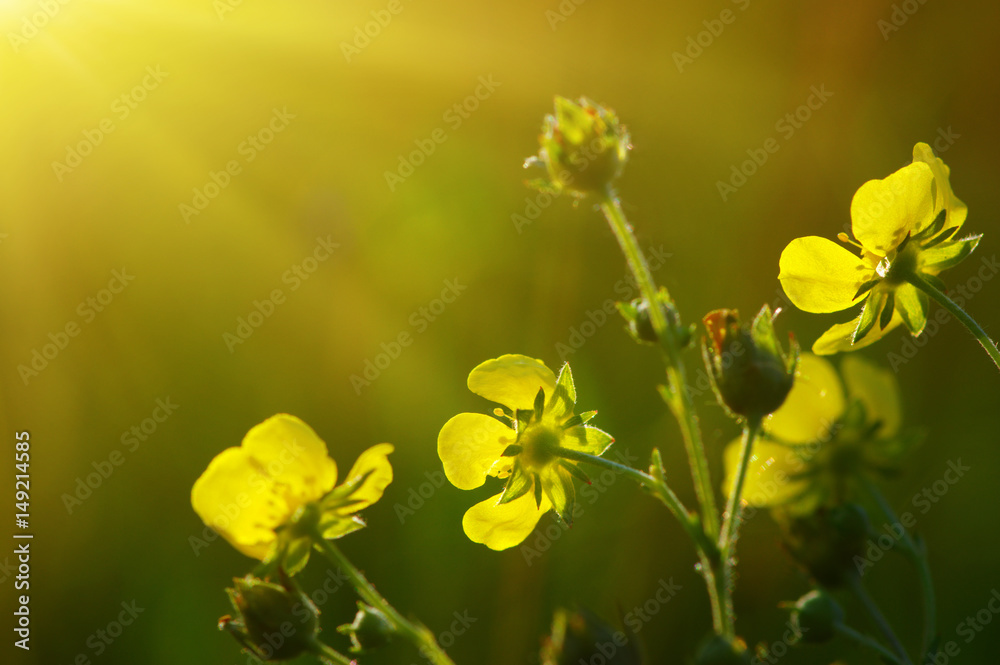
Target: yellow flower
{"points": [[520, 445], [252, 495], [904, 225], [823, 437]]}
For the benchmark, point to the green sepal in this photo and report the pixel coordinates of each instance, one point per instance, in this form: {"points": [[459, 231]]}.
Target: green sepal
{"points": [[565, 391], [933, 228], [512, 450], [912, 305], [562, 495], [517, 485], [538, 491], [887, 310], [869, 314], [539, 405], [948, 254], [865, 288], [589, 439], [936, 282], [577, 472]]}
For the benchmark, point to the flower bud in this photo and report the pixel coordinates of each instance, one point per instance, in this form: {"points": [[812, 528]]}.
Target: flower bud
{"points": [[371, 629], [639, 324], [750, 371], [816, 616], [583, 147], [274, 622], [720, 651]]}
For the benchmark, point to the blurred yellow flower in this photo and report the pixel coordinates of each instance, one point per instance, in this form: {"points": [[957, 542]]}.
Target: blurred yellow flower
{"points": [[824, 437], [252, 494], [904, 225], [521, 445]]}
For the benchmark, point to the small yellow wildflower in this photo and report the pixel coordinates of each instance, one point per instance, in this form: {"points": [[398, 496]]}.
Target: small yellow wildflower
{"points": [[823, 437], [253, 494], [904, 225], [520, 445]]}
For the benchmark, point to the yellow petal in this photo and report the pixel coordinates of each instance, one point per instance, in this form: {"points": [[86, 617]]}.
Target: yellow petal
{"points": [[945, 199], [877, 389], [375, 463], [884, 211], [771, 476], [501, 526], [820, 276], [512, 380], [838, 338], [233, 498], [469, 444], [293, 457], [815, 402]]}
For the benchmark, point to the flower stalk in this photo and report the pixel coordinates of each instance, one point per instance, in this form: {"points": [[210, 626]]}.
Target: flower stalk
{"points": [[942, 299], [418, 634]]}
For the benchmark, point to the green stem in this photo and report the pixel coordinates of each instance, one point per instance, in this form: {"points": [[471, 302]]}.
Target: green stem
{"points": [[708, 553], [417, 633], [871, 643], [918, 556], [731, 524], [662, 491], [988, 344], [329, 655], [680, 403], [876, 614]]}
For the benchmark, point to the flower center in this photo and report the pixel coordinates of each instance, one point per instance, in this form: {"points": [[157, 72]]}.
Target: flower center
{"points": [[896, 270], [538, 444]]}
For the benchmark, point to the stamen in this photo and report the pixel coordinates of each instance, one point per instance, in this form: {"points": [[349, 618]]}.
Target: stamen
{"points": [[844, 238]]}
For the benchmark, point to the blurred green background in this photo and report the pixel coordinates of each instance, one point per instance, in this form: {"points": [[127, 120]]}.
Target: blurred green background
{"points": [[223, 70]]}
